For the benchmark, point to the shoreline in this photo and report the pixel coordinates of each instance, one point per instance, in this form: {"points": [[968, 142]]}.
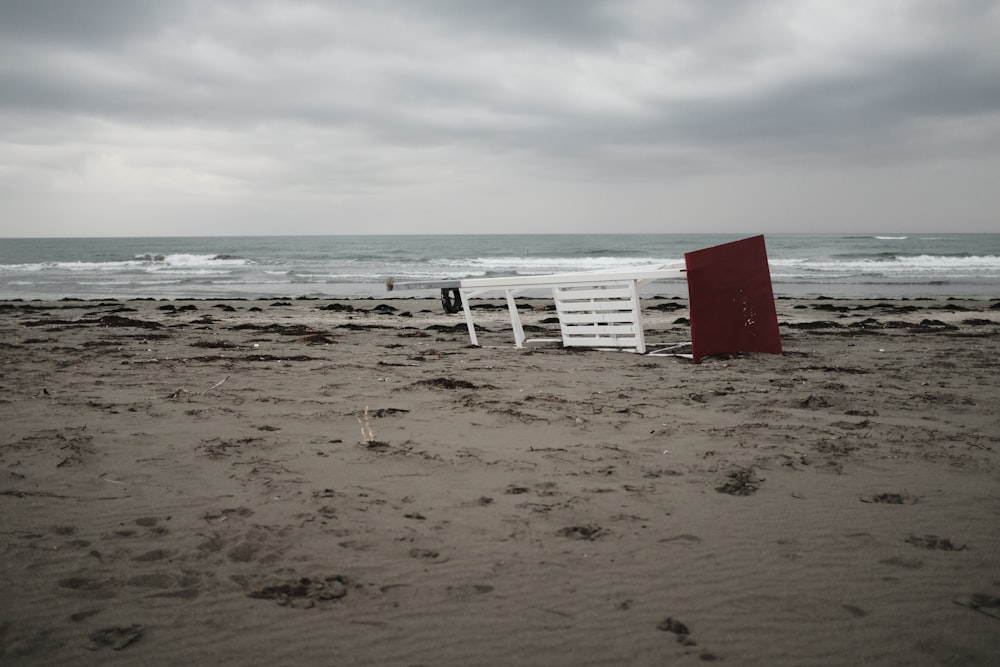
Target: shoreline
{"points": [[665, 289], [191, 480]]}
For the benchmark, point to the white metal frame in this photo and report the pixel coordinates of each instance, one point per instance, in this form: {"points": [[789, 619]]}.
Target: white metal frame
{"points": [[596, 309]]}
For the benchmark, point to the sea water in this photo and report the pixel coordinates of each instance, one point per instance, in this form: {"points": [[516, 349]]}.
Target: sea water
{"points": [[856, 265]]}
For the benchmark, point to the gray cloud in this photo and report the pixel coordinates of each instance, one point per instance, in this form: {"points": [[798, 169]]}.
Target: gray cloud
{"points": [[248, 104]]}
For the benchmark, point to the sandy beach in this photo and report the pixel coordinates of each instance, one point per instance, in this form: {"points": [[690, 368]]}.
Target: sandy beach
{"points": [[348, 482]]}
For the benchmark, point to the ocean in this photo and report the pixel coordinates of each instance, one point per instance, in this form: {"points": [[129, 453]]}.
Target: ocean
{"points": [[848, 265]]}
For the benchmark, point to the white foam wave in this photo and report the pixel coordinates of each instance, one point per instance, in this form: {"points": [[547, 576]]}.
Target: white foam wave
{"points": [[142, 263], [188, 260], [544, 264], [918, 266]]}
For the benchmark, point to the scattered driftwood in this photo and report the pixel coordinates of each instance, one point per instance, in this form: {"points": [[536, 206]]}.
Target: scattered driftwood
{"points": [[214, 386]]}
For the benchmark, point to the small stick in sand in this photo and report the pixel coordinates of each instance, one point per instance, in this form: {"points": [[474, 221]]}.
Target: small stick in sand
{"points": [[366, 428], [214, 386]]}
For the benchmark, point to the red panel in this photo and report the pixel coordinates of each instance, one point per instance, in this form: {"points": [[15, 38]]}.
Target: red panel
{"points": [[731, 300]]}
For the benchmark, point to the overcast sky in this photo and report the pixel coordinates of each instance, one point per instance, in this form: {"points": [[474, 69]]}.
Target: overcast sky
{"points": [[157, 117]]}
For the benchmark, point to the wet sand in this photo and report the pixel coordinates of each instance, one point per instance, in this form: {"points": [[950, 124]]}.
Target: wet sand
{"points": [[198, 482]]}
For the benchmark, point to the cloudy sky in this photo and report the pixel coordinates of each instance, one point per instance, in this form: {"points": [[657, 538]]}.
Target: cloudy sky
{"points": [[155, 117]]}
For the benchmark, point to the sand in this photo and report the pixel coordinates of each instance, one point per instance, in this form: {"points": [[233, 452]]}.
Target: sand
{"points": [[196, 482]]}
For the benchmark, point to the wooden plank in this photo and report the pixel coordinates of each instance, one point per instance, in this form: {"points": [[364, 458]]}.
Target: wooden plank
{"points": [[596, 318], [597, 341], [600, 330], [594, 292], [596, 307]]}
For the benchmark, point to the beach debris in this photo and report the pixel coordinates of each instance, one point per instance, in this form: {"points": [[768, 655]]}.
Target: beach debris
{"points": [[741, 482], [119, 321], [115, 637], [366, 428], [297, 330], [77, 447], [430, 554], [367, 434], [984, 604], [305, 592], [217, 448], [216, 344], [673, 625], [935, 542], [814, 402], [317, 339], [385, 412], [214, 386], [337, 308], [852, 426], [683, 635], [181, 391], [587, 532], [449, 383], [890, 499]]}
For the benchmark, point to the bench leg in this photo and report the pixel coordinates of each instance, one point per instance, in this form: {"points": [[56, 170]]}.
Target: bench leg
{"points": [[468, 319]]}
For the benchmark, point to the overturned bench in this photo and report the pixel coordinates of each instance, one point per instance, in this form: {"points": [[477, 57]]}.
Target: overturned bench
{"points": [[730, 298]]}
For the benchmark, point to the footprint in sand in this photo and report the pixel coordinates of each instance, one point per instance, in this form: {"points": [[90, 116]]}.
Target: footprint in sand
{"points": [[91, 588], [84, 615], [153, 524], [243, 552], [116, 638], [908, 563], [981, 602], [684, 539], [428, 554], [469, 590], [158, 580]]}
